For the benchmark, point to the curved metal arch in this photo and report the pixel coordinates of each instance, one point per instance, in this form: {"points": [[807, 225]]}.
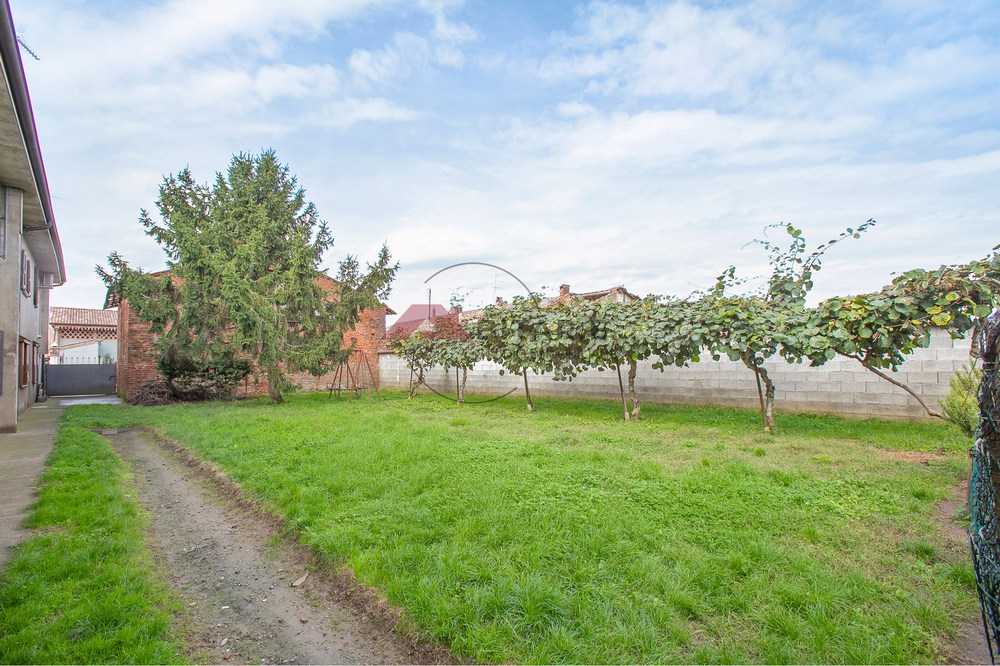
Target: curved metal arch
{"points": [[483, 263], [475, 402]]}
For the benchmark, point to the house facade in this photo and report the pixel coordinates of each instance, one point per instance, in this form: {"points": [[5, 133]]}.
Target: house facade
{"points": [[617, 294], [82, 335], [31, 259]]}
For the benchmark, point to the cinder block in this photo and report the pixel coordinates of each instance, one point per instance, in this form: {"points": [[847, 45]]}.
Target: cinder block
{"points": [[930, 390], [851, 387], [916, 378], [895, 399], [938, 365], [960, 356]]}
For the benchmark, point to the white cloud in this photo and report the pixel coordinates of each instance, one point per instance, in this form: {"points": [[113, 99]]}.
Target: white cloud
{"points": [[407, 53], [350, 111], [284, 80], [672, 49], [637, 143]]}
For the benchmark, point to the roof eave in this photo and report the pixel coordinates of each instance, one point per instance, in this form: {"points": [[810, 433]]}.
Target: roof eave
{"points": [[40, 225]]}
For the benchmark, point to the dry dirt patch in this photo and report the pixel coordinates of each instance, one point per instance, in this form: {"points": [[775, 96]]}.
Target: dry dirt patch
{"points": [[234, 572], [922, 457]]}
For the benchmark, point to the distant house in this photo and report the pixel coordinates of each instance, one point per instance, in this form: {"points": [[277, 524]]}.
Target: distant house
{"points": [[137, 355], [31, 258], [617, 294], [421, 316], [417, 317], [82, 335]]}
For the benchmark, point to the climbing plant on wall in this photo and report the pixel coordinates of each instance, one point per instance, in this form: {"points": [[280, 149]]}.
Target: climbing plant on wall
{"points": [[754, 327], [879, 330]]}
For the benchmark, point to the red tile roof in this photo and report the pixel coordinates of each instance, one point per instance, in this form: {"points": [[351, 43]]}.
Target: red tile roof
{"points": [[413, 317], [83, 317], [418, 312]]}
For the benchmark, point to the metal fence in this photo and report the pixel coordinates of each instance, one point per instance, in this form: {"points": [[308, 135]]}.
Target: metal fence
{"points": [[984, 480], [80, 379], [82, 360]]}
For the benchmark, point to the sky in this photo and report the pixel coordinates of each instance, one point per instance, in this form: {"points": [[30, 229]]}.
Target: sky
{"points": [[644, 144]]}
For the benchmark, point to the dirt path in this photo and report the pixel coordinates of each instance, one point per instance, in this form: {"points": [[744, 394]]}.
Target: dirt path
{"points": [[970, 644], [230, 567]]}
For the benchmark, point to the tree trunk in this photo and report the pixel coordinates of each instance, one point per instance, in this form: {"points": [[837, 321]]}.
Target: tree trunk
{"points": [[768, 400], [930, 412], [766, 396], [527, 394], [272, 385], [633, 396], [621, 390], [415, 382], [461, 387]]}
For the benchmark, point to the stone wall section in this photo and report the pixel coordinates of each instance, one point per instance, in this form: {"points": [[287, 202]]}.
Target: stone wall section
{"points": [[841, 386]]}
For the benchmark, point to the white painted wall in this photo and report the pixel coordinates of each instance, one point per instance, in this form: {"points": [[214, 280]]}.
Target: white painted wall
{"points": [[91, 352]]}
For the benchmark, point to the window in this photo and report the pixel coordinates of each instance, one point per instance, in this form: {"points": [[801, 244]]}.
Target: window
{"points": [[25, 274], [34, 293], [36, 363], [23, 361]]}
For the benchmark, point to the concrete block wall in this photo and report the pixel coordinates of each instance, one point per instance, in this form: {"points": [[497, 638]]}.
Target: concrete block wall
{"points": [[841, 386]]}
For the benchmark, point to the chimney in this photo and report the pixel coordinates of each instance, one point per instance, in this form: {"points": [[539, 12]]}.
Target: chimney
{"points": [[563, 290]]}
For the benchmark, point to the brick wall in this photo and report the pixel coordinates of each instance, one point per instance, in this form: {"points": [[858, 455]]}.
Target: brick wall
{"points": [[136, 362], [842, 386], [137, 358], [368, 338]]}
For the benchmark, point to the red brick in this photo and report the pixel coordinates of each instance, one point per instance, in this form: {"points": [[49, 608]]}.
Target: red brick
{"points": [[137, 358]]}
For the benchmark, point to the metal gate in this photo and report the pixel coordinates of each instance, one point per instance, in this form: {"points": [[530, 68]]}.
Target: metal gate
{"points": [[82, 379]]}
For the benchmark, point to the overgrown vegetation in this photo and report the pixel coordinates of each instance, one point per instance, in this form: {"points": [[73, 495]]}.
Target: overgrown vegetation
{"points": [[83, 590], [961, 405], [243, 288], [559, 536]]}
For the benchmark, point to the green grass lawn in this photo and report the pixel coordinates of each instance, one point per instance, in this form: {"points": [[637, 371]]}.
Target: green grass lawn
{"points": [[83, 590], [567, 535]]}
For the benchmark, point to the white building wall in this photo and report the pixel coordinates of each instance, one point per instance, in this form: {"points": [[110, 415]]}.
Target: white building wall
{"points": [[31, 331], [841, 386], [10, 305], [94, 351], [20, 317]]}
